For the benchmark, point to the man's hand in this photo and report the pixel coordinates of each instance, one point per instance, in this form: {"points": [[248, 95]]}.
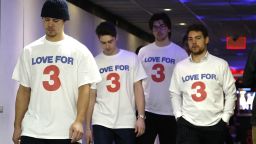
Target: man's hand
{"points": [[88, 136], [140, 127], [76, 131], [16, 135]]}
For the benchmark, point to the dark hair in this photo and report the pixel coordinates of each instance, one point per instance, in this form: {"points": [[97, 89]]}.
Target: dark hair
{"points": [[197, 27], [161, 16], [55, 9], [138, 49], [106, 28]]}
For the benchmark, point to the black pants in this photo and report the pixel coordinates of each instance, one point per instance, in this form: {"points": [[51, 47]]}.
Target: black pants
{"points": [[162, 125], [31, 140], [104, 135], [191, 134]]}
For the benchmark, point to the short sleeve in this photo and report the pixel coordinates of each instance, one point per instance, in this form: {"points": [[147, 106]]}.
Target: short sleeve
{"points": [[21, 71], [139, 70], [87, 69]]}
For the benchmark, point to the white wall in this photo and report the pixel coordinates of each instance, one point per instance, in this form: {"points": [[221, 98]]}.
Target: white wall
{"points": [[33, 26], [10, 47], [20, 25]]}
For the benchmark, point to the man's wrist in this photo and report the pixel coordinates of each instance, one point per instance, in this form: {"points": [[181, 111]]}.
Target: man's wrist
{"points": [[141, 116], [17, 126]]}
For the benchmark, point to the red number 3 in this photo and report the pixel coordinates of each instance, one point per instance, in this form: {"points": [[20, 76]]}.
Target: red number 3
{"points": [[160, 76], [114, 77], [200, 89], [53, 77]]}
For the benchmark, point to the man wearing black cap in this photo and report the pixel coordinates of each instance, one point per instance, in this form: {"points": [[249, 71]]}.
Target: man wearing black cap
{"points": [[54, 73]]}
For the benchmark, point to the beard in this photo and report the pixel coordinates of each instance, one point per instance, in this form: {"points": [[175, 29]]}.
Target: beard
{"points": [[51, 33], [195, 50]]}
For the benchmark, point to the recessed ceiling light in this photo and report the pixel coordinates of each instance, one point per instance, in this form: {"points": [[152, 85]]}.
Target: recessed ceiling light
{"points": [[182, 24], [167, 9]]}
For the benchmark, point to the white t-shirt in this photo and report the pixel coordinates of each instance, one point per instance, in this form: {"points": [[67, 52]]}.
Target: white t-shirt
{"points": [[115, 101], [54, 71], [159, 63], [203, 93]]}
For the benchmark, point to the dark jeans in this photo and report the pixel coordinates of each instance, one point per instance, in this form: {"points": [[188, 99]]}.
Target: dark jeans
{"points": [[104, 135], [31, 140], [191, 134], [162, 125]]}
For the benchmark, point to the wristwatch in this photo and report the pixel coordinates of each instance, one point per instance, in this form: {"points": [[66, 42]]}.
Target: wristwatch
{"points": [[141, 116]]}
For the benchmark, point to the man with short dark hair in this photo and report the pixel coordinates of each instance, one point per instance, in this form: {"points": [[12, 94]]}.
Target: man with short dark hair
{"points": [[203, 92], [114, 100], [159, 59]]}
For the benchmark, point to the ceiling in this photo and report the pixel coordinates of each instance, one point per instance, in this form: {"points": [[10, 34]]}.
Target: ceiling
{"points": [[222, 18]]}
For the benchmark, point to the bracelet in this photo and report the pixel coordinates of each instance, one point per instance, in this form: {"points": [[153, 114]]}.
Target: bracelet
{"points": [[141, 116]]}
